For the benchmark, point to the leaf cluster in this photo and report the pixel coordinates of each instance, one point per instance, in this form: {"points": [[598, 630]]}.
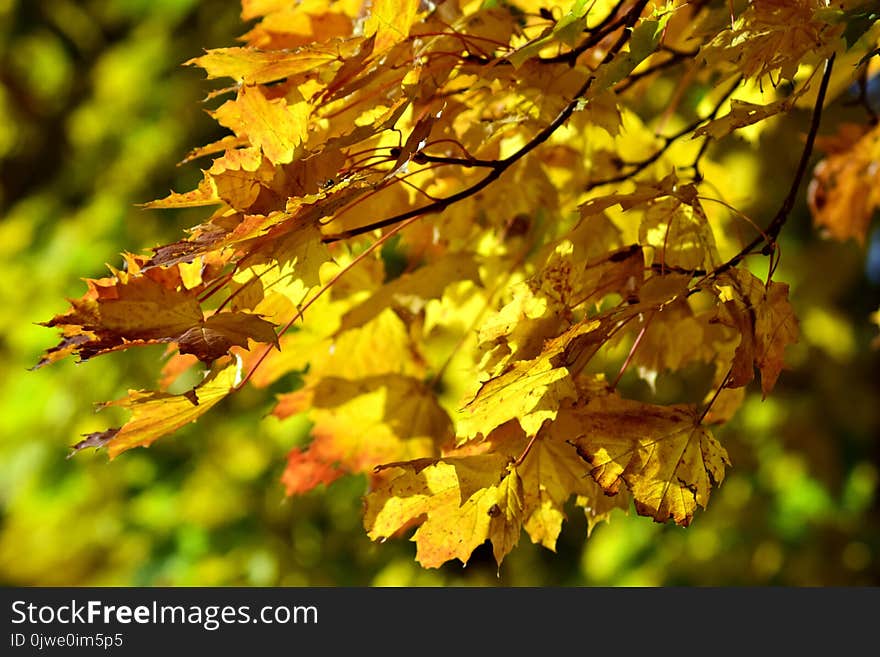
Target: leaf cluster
{"points": [[462, 225]]}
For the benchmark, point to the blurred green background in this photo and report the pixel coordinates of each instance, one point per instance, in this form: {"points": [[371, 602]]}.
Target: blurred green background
{"points": [[95, 109]]}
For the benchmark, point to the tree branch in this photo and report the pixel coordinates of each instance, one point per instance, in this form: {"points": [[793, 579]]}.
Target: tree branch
{"points": [[668, 141], [768, 237], [503, 165]]}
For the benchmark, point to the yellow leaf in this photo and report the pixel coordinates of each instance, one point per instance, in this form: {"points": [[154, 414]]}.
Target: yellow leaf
{"points": [[674, 337], [743, 113], [360, 424], [552, 472], [464, 502], [665, 457], [680, 235], [272, 125], [390, 21], [412, 290], [156, 414], [253, 66], [204, 194], [529, 391]]}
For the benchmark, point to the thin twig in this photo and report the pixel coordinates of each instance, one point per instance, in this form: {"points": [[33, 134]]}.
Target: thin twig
{"points": [[299, 313], [503, 165], [769, 235]]}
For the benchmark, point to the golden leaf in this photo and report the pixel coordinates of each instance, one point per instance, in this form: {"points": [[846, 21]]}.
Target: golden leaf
{"points": [[667, 460], [844, 191], [464, 501], [156, 414], [274, 126]]}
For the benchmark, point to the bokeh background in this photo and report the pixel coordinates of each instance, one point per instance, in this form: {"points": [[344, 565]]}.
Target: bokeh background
{"points": [[95, 110]]}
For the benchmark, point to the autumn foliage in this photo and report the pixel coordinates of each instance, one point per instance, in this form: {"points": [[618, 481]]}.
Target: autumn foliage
{"points": [[467, 226]]}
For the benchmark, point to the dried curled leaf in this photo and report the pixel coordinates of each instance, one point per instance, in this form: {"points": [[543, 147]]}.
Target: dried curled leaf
{"points": [[213, 337]]}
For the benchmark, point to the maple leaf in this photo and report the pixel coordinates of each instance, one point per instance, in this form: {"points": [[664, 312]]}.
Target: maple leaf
{"points": [[843, 193], [529, 391], [771, 36], [424, 206], [776, 327], [252, 66], [645, 39], [128, 309], [675, 336], [390, 21], [743, 113], [680, 234], [663, 455], [157, 414], [552, 472], [412, 290], [361, 423], [766, 323], [213, 337], [304, 472], [465, 501], [273, 125]]}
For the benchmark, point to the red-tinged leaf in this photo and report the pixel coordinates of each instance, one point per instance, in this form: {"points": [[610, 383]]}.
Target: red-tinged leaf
{"points": [[291, 403], [174, 367], [73, 340], [205, 238], [303, 473], [359, 424], [213, 337], [128, 310], [776, 327], [741, 318], [767, 324]]}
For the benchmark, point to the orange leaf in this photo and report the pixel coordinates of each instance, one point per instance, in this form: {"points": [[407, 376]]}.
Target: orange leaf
{"points": [[844, 191], [304, 472]]}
